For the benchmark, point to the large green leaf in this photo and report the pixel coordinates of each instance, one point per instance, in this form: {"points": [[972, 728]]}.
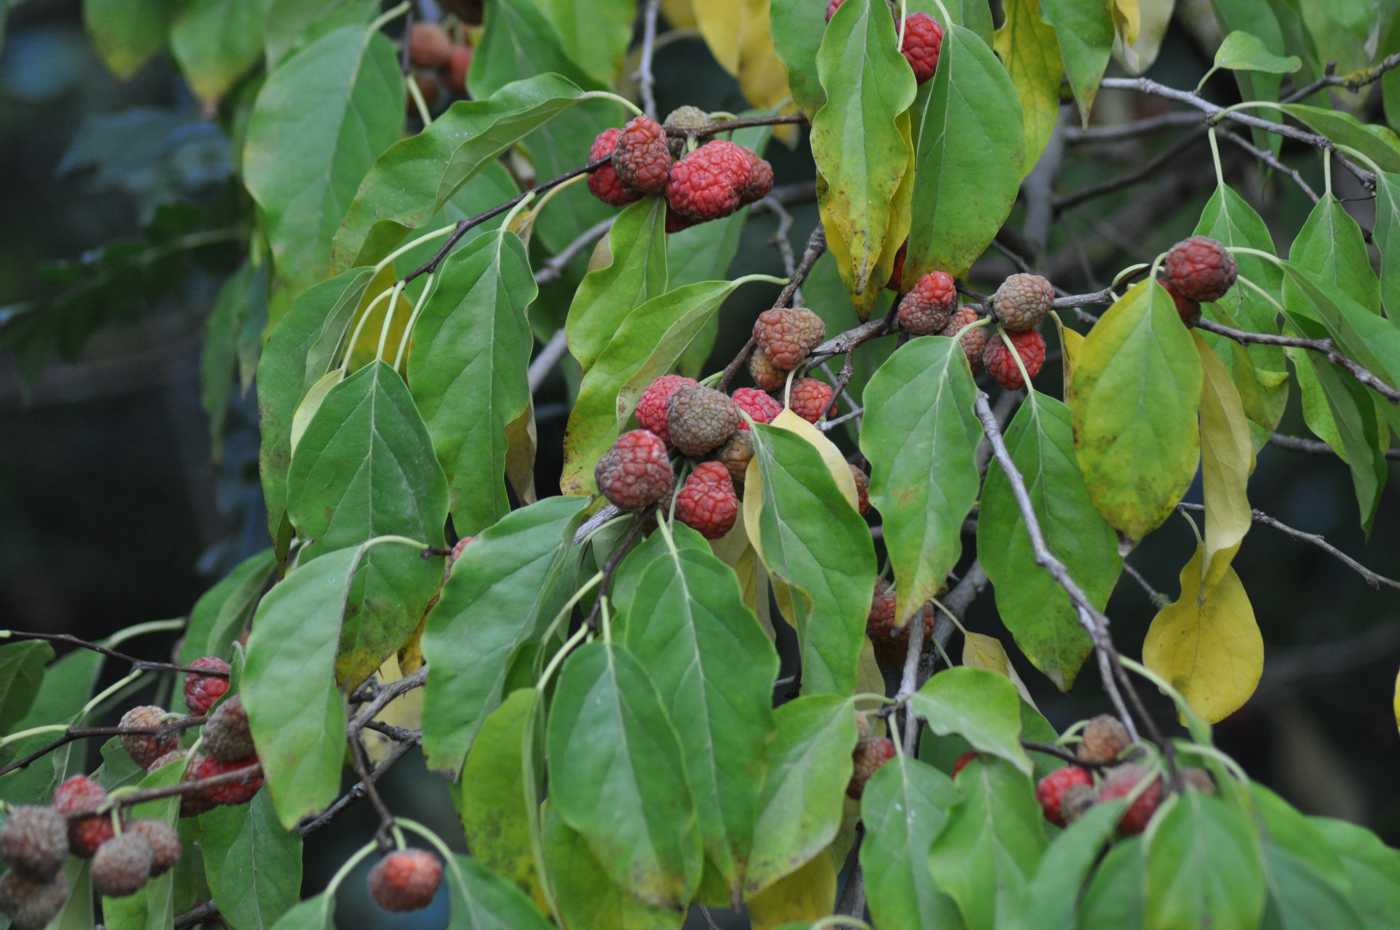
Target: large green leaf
{"points": [[292, 24], [21, 672], [1372, 868], [219, 616], [252, 863], [586, 896], [483, 900], [1045, 904], [1260, 21], [1378, 143], [817, 548], [1027, 44], [920, 436], [1387, 238], [798, 27], [1203, 865], [1135, 393], [1033, 606], [809, 766], [1307, 884], [1084, 29], [1117, 891], [319, 122], [595, 35], [315, 913], [66, 687], [501, 590], [126, 33], [1330, 245], [613, 759], [981, 706], [216, 41]]}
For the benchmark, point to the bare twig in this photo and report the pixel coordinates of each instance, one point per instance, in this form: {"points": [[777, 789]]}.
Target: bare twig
{"points": [[1322, 346], [646, 80], [549, 355], [359, 760], [1158, 599], [1149, 169], [1314, 446], [746, 122], [1076, 136], [356, 792], [1353, 81], [1063, 754], [73, 734], [144, 665], [1039, 192], [634, 535], [385, 695], [1268, 158], [196, 915], [244, 774]]}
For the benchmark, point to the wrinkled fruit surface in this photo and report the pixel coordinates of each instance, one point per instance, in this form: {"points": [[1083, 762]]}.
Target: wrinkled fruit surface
{"points": [[203, 691], [761, 406], [146, 749], [974, 341], [926, 309], [122, 865], [1199, 269], [226, 735], [1103, 739], [636, 472], [603, 181], [405, 880], [1001, 365], [1188, 310], [787, 335], [34, 841], [760, 180], [457, 68], [862, 481], [655, 402], [923, 39], [706, 184], [237, 791], [1050, 790], [163, 840], [1119, 783], [868, 756], [31, 904], [764, 373], [735, 455], [700, 419], [1022, 302], [642, 156], [77, 795], [707, 502], [809, 398]]}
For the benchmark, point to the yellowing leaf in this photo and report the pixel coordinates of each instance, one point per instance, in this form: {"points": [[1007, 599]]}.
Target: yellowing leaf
{"points": [[987, 652], [1127, 19], [1207, 644], [1227, 458], [679, 13], [368, 340], [839, 467], [741, 39], [1071, 340], [1137, 55], [1028, 47], [806, 895]]}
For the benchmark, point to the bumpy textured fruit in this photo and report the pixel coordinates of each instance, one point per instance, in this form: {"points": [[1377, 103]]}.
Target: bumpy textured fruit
{"points": [[146, 749], [1075, 801], [867, 757], [80, 795], [237, 791], [1119, 783], [926, 309], [405, 880], [707, 502], [962, 762], [862, 481], [655, 402], [881, 605], [34, 841], [1050, 790], [897, 272], [809, 398], [457, 67], [163, 840], [226, 735], [203, 691], [428, 45], [974, 341], [603, 181], [635, 473], [760, 180], [764, 373], [642, 156], [1000, 364], [923, 39], [787, 335], [759, 405], [700, 419], [1189, 310], [706, 184], [735, 455], [1022, 302], [890, 639], [29, 903], [1103, 739], [122, 865], [1199, 269], [689, 119], [194, 803]]}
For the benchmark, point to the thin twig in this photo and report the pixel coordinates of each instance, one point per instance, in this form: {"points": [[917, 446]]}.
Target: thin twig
{"points": [[1314, 447], [554, 266], [359, 760], [386, 694], [549, 355], [746, 122], [356, 792], [1268, 158], [196, 915], [646, 80], [1063, 754], [244, 774], [1158, 599], [73, 734], [1322, 346], [1123, 131], [1149, 169], [144, 665], [1353, 81], [634, 535]]}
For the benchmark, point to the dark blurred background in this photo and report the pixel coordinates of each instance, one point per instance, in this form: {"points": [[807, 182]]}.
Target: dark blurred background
{"points": [[114, 511]]}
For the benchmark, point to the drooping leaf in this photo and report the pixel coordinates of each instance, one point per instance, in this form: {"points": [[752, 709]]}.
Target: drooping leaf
{"points": [[1227, 459], [216, 41], [1387, 238], [219, 616], [21, 671], [1307, 883], [1331, 245], [1203, 865], [1116, 892], [126, 33], [252, 863], [978, 705], [1242, 51], [1027, 45], [291, 25], [1084, 29], [1372, 868], [1155, 17], [802, 896]]}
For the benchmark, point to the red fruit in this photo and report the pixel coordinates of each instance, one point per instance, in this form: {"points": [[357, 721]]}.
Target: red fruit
{"points": [[80, 795], [764, 373], [862, 481], [787, 335], [867, 757], [428, 45], [707, 502], [1199, 269], [636, 471], [145, 749], [700, 419], [603, 180], [1050, 790], [706, 184], [1000, 364], [760, 182], [927, 307], [457, 67], [1188, 310], [656, 400], [237, 791], [891, 640], [642, 156], [1119, 783], [34, 841], [759, 405], [974, 341], [203, 691], [226, 735], [923, 38], [897, 273], [809, 398], [962, 762], [1022, 302], [405, 880]]}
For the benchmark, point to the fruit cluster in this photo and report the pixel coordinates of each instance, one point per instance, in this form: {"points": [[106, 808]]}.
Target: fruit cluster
{"points": [[438, 62]]}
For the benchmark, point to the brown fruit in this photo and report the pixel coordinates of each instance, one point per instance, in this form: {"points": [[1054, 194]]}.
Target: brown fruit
{"points": [[428, 45]]}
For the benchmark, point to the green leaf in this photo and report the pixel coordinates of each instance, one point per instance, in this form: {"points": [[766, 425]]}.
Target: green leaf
{"points": [[1372, 868], [1331, 245], [319, 122], [1027, 44], [1307, 885], [986, 855], [1032, 605], [314, 913], [809, 766], [1203, 865], [817, 549], [905, 806], [714, 667], [152, 907], [1387, 238], [798, 27], [66, 687], [21, 672], [1049, 898], [501, 590], [126, 33], [1359, 331], [1257, 19], [293, 24], [920, 436], [861, 144], [219, 616], [1242, 51], [1377, 143], [216, 41], [253, 865], [483, 900], [613, 757], [1085, 31], [595, 35], [961, 196], [981, 706], [1115, 897], [631, 272], [586, 895], [243, 294], [1136, 389]]}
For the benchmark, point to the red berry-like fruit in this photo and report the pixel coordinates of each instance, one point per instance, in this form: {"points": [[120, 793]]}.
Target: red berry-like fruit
{"points": [[145, 749], [809, 398], [1076, 800], [636, 472], [759, 405], [1188, 310], [706, 184], [760, 180], [867, 757], [897, 272], [163, 840], [881, 605], [1103, 739], [1022, 302], [891, 639], [642, 156], [764, 373], [81, 795], [787, 335], [405, 880], [236, 791], [1051, 789], [973, 341], [226, 735], [203, 691], [735, 455], [962, 762], [707, 502], [1000, 364], [1199, 269], [428, 45], [603, 181], [1119, 783], [923, 39], [862, 481], [31, 904], [655, 402], [700, 419], [926, 309], [458, 65], [34, 841], [122, 865]]}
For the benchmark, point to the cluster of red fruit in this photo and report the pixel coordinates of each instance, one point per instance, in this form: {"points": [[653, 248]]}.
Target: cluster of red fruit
{"points": [[437, 60], [923, 39], [708, 183]]}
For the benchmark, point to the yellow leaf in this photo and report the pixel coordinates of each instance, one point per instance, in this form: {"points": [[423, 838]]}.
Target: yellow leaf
{"points": [[1127, 19], [1397, 699], [806, 895], [1070, 340], [1137, 55], [1031, 52], [1207, 646], [1227, 458], [987, 652], [740, 37], [679, 13], [406, 711], [368, 340], [835, 462]]}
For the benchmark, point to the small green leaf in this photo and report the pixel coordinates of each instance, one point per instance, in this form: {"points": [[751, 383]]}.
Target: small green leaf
{"points": [[1387, 238], [1307, 884], [981, 706], [1049, 898], [798, 27], [215, 42], [253, 865], [1203, 865], [1242, 51], [314, 913], [66, 687], [1085, 32], [1257, 19], [595, 35], [126, 33], [1331, 245], [21, 671]]}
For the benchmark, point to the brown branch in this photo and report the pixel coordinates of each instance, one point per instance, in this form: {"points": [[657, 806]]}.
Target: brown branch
{"points": [[1124, 131], [73, 734], [1353, 81], [1269, 159], [1322, 346], [634, 534], [357, 791], [744, 123], [1064, 755], [246, 773], [359, 761], [196, 915], [384, 696], [144, 665], [1315, 447], [1149, 169]]}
